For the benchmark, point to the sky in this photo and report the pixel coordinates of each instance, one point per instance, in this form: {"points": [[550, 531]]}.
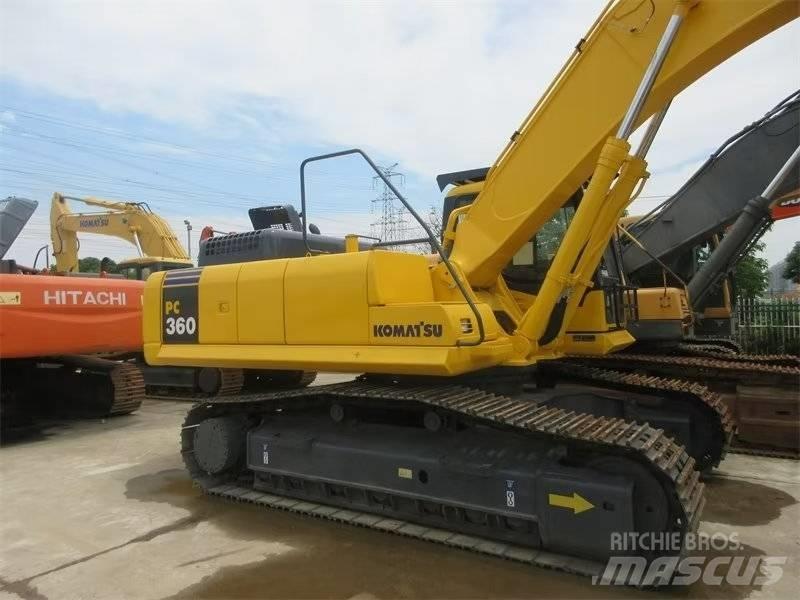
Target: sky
{"points": [[205, 108]]}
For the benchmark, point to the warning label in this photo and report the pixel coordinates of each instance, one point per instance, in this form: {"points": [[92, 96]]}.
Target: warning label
{"points": [[11, 298]]}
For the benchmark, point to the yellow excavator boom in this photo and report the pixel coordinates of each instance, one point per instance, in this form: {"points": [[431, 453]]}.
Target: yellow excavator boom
{"points": [[569, 133], [557, 147], [130, 221]]}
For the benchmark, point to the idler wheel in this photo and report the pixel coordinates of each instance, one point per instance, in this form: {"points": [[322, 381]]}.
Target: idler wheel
{"points": [[219, 444]]}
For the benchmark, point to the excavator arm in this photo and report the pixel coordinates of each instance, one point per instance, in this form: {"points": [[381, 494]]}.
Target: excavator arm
{"points": [[569, 138], [714, 197], [133, 222]]}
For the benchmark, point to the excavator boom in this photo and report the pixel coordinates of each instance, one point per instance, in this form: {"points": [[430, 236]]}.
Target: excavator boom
{"points": [[555, 150], [133, 222]]}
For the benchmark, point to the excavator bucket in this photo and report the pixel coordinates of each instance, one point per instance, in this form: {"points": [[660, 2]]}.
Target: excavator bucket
{"points": [[14, 215]]}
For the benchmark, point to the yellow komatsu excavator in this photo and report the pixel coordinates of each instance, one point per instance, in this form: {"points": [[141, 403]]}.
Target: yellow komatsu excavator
{"points": [[424, 442], [134, 222]]}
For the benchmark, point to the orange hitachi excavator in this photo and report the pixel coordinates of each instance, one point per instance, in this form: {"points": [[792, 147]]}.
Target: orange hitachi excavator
{"points": [[50, 328]]}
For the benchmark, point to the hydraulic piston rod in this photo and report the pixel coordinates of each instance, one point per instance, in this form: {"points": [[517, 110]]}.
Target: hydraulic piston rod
{"points": [[545, 319]]}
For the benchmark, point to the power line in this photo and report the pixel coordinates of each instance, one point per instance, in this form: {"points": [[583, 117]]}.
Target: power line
{"points": [[60, 173], [225, 193], [126, 135], [120, 134]]}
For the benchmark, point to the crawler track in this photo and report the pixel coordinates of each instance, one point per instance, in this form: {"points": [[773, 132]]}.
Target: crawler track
{"points": [[129, 390], [231, 385], [724, 353], [723, 427], [690, 367], [727, 344], [539, 558], [650, 448], [234, 382], [735, 378]]}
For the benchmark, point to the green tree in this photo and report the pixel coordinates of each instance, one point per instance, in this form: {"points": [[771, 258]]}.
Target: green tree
{"points": [[751, 276], [91, 264], [791, 270]]}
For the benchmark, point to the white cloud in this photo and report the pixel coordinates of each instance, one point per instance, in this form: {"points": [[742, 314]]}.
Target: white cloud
{"points": [[780, 239], [437, 86], [6, 116]]}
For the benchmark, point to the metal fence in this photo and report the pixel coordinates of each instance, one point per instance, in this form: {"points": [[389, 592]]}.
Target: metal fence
{"points": [[768, 326]]}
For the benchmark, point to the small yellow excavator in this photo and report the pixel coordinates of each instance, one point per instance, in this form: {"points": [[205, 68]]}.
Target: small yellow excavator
{"points": [[437, 438], [134, 222]]}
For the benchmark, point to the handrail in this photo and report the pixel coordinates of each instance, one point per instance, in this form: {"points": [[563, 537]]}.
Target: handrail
{"points": [[434, 242], [46, 257]]}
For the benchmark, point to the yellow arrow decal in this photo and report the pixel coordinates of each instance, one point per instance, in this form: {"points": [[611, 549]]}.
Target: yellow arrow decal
{"points": [[577, 503]]}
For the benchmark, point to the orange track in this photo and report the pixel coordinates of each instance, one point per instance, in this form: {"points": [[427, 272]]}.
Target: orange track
{"points": [[43, 315]]}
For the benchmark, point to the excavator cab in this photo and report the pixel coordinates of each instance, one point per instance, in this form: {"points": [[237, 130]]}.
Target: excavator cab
{"points": [[606, 309]]}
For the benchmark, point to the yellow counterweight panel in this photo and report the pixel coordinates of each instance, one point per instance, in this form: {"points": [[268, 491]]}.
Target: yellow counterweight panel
{"points": [[401, 360], [260, 302], [355, 312], [217, 304], [662, 303], [395, 277], [325, 299]]}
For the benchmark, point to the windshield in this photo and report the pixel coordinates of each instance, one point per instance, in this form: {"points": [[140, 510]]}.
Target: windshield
{"points": [[529, 266]]}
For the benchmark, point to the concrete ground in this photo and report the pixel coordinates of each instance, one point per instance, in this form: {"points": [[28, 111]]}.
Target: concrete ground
{"points": [[93, 509]]}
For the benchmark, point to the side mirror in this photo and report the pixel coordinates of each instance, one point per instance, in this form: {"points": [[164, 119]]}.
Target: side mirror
{"points": [[313, 229]]}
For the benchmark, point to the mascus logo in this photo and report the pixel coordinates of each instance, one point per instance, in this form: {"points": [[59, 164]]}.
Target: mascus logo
{"points": [[421, 329]]}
